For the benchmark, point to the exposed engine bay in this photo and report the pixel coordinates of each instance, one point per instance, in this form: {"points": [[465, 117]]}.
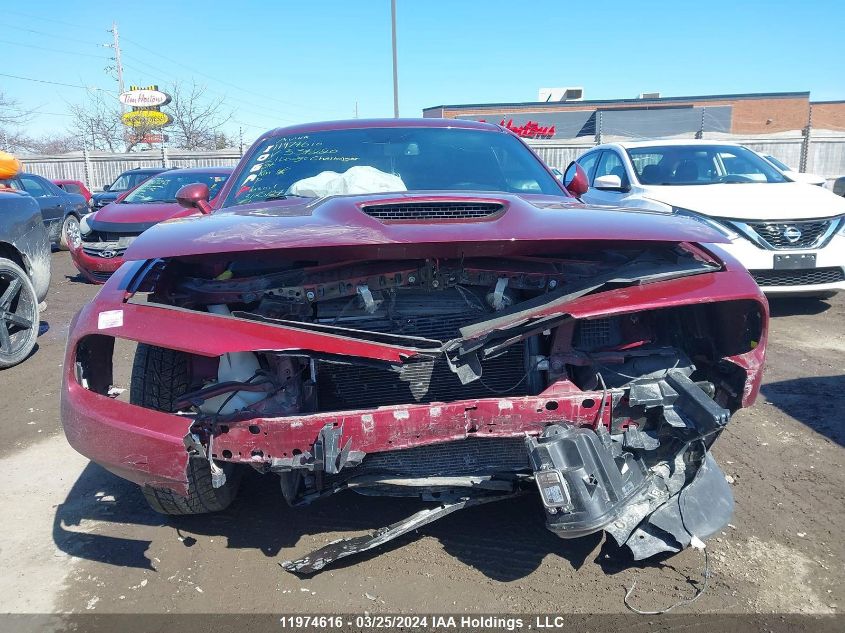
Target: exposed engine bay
{"points": [[466, 381]]}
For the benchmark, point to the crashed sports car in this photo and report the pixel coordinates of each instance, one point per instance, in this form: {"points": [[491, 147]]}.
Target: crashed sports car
{"points": [[420, 308]]}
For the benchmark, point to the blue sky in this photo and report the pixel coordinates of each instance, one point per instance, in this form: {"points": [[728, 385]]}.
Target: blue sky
{"points": [[290, 61]]}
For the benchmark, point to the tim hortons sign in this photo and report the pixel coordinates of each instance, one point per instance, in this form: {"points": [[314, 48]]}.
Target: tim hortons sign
{"points": [[149, 97]]}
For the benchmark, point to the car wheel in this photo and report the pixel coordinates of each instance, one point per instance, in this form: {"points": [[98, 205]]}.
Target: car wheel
{"points": [[70, 233], [18, 314], [159, 377]]}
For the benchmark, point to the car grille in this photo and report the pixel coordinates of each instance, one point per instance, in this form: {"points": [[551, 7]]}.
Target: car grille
{"points": [[98, 252], [427, 211], [775, 233], [808, 277]]}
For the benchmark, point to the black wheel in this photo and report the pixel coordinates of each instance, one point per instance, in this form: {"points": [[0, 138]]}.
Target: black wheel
{"points": [[18, 314], [70, 233], [159, 377]]}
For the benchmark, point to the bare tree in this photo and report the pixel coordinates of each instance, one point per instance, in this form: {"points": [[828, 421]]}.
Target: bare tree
{"points": [[197, 119], [97, 123], [53, 144], [11, 118]]}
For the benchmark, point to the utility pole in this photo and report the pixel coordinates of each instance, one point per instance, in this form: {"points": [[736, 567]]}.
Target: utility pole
{"points": [[356, 109], [805, 144], [395, 68], [118, 65]]}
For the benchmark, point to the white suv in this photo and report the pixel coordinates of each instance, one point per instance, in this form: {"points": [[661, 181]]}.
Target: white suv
{"points": [[790, 235]]}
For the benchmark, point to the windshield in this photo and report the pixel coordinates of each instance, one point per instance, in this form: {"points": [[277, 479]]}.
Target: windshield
{"points": [[774, 161], [163, 188], [374, 160], [700, 165]]}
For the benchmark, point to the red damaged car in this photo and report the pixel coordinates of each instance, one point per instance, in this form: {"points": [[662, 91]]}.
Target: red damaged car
{"points": [[419, 308], [97, 248]]}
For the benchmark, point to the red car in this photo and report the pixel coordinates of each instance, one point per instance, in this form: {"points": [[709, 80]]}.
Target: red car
{"points": [[420, 308], [74, 186], [97, 251]]}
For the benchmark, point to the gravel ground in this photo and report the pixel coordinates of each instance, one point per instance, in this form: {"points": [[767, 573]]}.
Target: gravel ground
{"points": [[81, 540]]}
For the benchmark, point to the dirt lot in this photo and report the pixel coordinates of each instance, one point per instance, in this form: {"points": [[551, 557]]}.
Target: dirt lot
{"points": [[81, 540]]}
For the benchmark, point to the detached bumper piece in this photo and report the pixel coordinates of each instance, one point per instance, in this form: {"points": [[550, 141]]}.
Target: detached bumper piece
{"points": [[342, 548], [652, 490]]}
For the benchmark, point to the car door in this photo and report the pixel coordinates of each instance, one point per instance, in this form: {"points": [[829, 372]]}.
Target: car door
{"points": [[608, 163], [49, 200]]}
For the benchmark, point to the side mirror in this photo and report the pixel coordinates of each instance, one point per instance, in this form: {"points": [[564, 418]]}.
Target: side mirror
{"points": [[194, 196], [609, 182], [106, 187], [575, 180]]}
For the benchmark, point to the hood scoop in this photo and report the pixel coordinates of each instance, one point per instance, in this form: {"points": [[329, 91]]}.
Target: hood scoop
{"points": [[433, 211]]}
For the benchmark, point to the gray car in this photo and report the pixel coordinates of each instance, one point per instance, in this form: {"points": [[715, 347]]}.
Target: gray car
{"points": [[24, 274], [60, 209]]}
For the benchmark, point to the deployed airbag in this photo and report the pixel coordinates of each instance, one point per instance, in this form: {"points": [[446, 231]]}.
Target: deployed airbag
{"points": [[355, 180]]}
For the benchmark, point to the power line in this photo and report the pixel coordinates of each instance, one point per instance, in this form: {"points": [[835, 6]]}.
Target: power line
{"points": [[55, 35], [54, 50], [56, 83], [264, 113], [41, 18], [220, 81]]}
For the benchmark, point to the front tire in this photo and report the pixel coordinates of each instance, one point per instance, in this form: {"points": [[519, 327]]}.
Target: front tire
{"points": [[69, 233], [18, 314], [159, 378]]}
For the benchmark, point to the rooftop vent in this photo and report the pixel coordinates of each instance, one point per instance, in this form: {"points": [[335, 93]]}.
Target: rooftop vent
{"points": [[561, 94], [432, 211], [649, 95]]}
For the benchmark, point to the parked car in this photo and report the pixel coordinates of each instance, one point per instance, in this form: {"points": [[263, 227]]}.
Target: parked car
{"points": [[791, 236], [420, 308], [129, 179], [793, 174], [74, 186], [60, 209], [24, 268], [97, 249], [838, 186]]}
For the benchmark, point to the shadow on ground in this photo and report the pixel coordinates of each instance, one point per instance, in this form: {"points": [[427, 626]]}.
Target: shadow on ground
{"points": [[505, 540], [797, 306], [816, 401]]}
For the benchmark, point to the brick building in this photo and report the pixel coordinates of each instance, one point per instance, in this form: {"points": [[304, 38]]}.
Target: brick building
{"points": [[743, 114]]}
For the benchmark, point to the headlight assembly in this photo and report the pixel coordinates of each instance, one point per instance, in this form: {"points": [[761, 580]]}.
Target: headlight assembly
{"points": [[724, 229]]}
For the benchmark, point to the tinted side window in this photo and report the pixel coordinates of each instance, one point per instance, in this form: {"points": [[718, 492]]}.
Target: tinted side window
{"points": [[34, 188], [611, 165], [72, 188], [588, 162]]}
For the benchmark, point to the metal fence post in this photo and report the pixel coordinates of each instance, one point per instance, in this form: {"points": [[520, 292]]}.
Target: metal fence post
{"points": [[598, 127], [805, 145], [87, 170], [700, 133]]}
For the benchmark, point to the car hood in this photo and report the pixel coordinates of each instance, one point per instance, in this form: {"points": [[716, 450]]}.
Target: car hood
{"points": [[751, 201], [339, 222], [105, 196], [146, 214]]}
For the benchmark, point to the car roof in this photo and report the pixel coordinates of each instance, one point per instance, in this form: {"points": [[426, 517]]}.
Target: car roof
{"points": [[688, 142], [356, 124]]}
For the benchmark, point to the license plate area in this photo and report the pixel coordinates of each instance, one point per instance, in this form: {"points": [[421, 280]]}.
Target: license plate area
{"points": [[795, 262]]}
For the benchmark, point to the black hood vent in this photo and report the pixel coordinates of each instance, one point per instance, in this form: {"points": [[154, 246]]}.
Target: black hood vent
{"points": [[432, 211]]}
